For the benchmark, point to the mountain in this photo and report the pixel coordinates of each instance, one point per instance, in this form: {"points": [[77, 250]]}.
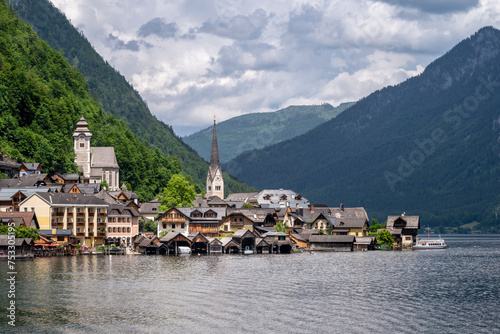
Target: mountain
{"points": [[41, 99], [429, 146], [254, 131], [111, 89]]}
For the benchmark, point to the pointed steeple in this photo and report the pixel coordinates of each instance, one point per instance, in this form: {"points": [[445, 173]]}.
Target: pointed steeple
{"points": [[215, 181], [214, 157]]}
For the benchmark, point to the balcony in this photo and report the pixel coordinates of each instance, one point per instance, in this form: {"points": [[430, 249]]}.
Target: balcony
{"points": [[101, 214], [57, 224], [69, 226], [101, 224], [58, 214], [80, 224], [80, 214], [80, 234], [91, 234], [101, 234]]}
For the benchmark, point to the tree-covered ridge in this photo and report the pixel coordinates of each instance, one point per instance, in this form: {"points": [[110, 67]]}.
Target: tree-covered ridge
{"points": [[258, 130], [429, 146], [41, 99], [112, 90]]}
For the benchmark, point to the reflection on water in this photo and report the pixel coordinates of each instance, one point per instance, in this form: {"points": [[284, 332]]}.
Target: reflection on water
{"points": [[440, 291]]}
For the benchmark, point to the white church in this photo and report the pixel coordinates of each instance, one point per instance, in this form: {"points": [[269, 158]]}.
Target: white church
{"points": [[96, 163]]}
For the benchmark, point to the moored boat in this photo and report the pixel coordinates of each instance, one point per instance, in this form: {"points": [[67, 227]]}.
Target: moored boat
{"points": [[430, 244]]}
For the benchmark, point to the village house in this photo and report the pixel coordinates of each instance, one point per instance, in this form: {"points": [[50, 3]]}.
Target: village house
{"points": [[123, 225], [404, 229], [246, 219], [85, 215], [173, 221], [9, 166], [25, 219], [150, 210], [27, 168]]}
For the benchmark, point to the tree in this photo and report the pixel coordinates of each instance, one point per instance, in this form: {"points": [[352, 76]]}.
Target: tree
{"points": [[104, 185], [149, 226], [247, 206], [384, 237], [280, 227], [374, 225], [179, 192]]}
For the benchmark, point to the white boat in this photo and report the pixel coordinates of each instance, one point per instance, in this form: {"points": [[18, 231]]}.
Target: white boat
{"points": [[247, 251], [430, 244]]}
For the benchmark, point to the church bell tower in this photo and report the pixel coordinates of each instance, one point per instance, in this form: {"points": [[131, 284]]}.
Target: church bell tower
{"points": [[82, 148], [215, 182]]}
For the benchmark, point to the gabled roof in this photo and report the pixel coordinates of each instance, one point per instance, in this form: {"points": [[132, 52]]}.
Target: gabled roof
{"points": [[150, 207], [241, 233], [103, 157], [7, 193], [220, 212], [256, 215], [27, 217], [316, 238], [215, 200], [214, 241], [240, 197], [341, 223], [28, 180], [30, 165], [412, 222], [106, 197]]}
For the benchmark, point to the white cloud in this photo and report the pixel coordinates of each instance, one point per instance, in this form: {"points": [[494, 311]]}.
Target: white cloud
{"points": [[191, 59]]}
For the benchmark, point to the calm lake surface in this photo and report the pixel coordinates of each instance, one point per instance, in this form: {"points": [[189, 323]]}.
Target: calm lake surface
{"points": [[436, 291]]}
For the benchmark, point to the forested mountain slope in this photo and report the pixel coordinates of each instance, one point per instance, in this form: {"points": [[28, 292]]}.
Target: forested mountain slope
{"points": [[41, 99], [111, 89], [429, 146], [258, 130]]}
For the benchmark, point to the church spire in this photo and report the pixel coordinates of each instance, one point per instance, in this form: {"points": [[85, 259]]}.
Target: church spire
{"points": [[215, 182], [214, 157]]}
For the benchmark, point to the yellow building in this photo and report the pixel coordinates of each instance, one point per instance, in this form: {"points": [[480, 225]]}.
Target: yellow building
{"points": [[85, 215]]}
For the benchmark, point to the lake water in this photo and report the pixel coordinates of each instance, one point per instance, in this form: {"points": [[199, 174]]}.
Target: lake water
{"points": [[436, 291]]}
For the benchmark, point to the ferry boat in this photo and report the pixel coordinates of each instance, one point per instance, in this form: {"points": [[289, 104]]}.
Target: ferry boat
{"points": [[430, 244]]}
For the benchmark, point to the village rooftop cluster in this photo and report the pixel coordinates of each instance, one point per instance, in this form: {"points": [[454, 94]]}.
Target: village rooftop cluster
{"points": [[72, 209]]}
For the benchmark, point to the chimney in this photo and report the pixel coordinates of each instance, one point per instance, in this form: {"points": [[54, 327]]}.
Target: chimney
{"points": [[341, 207], [312, 208]]}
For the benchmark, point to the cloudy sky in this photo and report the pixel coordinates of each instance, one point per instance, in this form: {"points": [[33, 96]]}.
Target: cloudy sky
{"points": [[193, 59]]}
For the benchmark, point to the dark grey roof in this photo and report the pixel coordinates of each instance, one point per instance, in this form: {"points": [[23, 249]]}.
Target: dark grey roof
{"points": [[28, 180], [240, 197], [242, 232], [31, 165], [104, 157], [149, 207], [72, 199], [411, 221], [215, 200], [316, 238], [256, 215], [298, 237], [214, 156], [349, 223], [56, 232], [220, 212], [106, 197]]}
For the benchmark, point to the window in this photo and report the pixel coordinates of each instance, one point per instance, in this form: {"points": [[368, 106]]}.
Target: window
{"points": [[119, 229], [82, 145], [109, 229], [25, 209], [226, 228], [32, 209], [173, 225], [217, 188], [164, 225], [182, 225], [209, 188], [154, 209]]}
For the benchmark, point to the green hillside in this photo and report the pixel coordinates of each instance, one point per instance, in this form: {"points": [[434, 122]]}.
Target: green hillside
{"points": [[429, 146], [258, 130], [41, 99], [110, 88]]}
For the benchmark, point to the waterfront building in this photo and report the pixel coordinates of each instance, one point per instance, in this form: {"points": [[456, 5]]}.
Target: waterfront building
{"points": [[404, 229], [150, 210], [215, 180], [173, 221], [123, 225], [247, 218], [25, 219], [96, 163], [204, 220], [85, 215]]}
